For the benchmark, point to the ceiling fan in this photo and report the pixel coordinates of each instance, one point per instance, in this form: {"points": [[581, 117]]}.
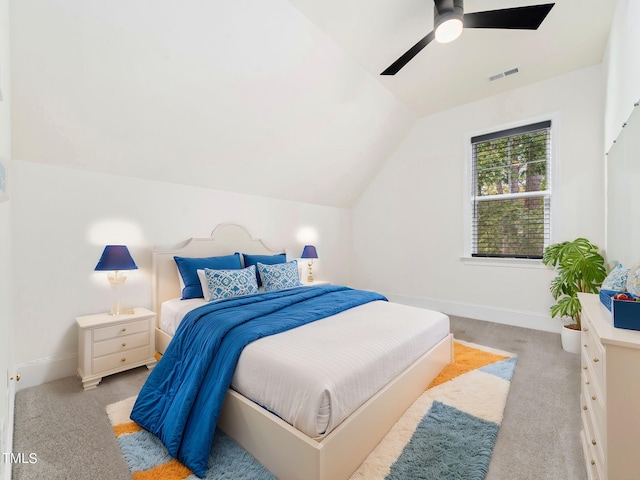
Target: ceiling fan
{"points": [[450, 19]]}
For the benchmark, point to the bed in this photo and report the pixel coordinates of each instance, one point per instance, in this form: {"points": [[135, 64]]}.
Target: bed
{"points": [[296, 453]]}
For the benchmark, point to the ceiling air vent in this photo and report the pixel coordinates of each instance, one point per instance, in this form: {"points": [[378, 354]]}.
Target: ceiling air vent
{"points": [[506, 73]]}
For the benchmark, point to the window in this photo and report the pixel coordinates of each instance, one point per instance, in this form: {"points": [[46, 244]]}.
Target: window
{"points": [[511, 192]]}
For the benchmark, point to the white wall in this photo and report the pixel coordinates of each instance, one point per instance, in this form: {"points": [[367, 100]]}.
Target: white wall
{"points": [[408, 225], [63, 217], [622, 67], [6, 312]]}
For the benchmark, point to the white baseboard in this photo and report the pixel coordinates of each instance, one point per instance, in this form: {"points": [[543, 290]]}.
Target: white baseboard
{"points": [[516, 318], [47, 369]]}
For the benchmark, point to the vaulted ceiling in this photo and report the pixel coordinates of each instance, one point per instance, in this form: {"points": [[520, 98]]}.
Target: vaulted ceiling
{"points": [[280, 98], [377, 32]]}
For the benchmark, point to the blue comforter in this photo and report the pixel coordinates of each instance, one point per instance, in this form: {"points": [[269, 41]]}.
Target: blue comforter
{"points": [[181, 399]]}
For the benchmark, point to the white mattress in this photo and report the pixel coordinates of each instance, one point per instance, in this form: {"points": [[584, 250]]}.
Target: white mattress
{"points": [[173, 311], [316, 375]]}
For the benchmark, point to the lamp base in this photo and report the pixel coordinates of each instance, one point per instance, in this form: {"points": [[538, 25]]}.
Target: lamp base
{"points": [[116, 281], [309, 273]]}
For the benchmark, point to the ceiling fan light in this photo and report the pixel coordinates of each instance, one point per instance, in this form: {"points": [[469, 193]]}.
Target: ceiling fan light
{"points": [[448, 29]]}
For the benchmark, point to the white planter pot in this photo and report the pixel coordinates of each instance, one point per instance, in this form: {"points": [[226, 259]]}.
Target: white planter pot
{"points": [[570, 339]]}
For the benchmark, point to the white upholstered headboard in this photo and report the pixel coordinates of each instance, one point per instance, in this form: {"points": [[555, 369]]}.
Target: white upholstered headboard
{"points": [[226, 239]]}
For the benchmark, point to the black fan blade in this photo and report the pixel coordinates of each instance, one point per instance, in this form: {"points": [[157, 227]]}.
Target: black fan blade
{"points": [[518, 18], [412, 52]]}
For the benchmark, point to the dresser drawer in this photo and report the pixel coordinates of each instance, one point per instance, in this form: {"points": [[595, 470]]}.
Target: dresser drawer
{"points": [[120, 330], [593, 473], [120, 359], [593, 402], [593, 354], [592, 444], [121, 344]]}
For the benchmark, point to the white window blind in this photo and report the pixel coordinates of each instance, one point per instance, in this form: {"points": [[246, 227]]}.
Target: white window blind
{"points": [[511, 192]]}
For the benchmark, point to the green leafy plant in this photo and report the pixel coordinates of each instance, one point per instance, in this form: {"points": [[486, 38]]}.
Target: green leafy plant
{"points": [[579, 268]]}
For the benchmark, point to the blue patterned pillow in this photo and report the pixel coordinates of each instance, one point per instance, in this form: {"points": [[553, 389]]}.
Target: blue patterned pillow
{"points": [[616, 280], [633, 279], [231, 283], [279, 276]]}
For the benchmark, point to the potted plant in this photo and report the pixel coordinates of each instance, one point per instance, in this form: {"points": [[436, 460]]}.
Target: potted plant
{"points": [[579, 267]]}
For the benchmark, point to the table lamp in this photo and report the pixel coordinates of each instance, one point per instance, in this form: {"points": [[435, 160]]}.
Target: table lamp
{"points": [[309, 252], [114, 259]]}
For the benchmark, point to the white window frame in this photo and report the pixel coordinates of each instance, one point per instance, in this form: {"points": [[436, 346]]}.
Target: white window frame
{"points": [[554, 191]]}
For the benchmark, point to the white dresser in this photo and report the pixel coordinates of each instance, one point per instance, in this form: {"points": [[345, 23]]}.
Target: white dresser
{"points": [[610, 394], [109, 344]]}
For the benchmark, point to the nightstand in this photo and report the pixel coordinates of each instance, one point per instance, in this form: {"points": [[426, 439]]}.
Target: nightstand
{"points": [[109, 344], [315, 282]]}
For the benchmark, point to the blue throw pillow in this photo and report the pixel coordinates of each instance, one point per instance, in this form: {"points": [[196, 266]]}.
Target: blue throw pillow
{"points": [[617, 279], [264, 259], [188, 268], [231, 283], [279, 276]]}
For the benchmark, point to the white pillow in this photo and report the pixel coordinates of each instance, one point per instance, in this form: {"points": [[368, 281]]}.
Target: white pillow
{"points": [[203, 283]]}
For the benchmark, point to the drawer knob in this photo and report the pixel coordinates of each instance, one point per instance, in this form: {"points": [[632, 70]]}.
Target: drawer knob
{"points": [[586, 346], [123, 330], [593, 462], [586, 382], [593, 397], [586, 330], [596, 360], [584, 368], [124, 344], [123, 359], [584, 407], [593, 442]]}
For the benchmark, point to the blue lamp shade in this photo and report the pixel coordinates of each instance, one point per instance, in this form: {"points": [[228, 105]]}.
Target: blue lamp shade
{"points": [[116, 257], [309, 251]]}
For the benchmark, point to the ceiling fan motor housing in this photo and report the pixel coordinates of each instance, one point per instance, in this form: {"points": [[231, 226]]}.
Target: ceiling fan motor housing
{"points": [[444, 10]]}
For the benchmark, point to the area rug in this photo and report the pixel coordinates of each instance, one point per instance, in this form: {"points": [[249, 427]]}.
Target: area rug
{"points": [[447, 434]]}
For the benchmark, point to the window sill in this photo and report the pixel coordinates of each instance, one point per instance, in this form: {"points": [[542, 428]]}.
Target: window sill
{"points": [[503, 262]]}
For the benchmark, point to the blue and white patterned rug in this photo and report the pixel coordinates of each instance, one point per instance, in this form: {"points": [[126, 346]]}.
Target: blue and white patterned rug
{"points": [[447, 434]]}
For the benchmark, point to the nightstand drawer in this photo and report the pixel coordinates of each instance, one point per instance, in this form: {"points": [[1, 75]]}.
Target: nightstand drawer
{"points": [[119, 330], [120, 359], [124, 343]]}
